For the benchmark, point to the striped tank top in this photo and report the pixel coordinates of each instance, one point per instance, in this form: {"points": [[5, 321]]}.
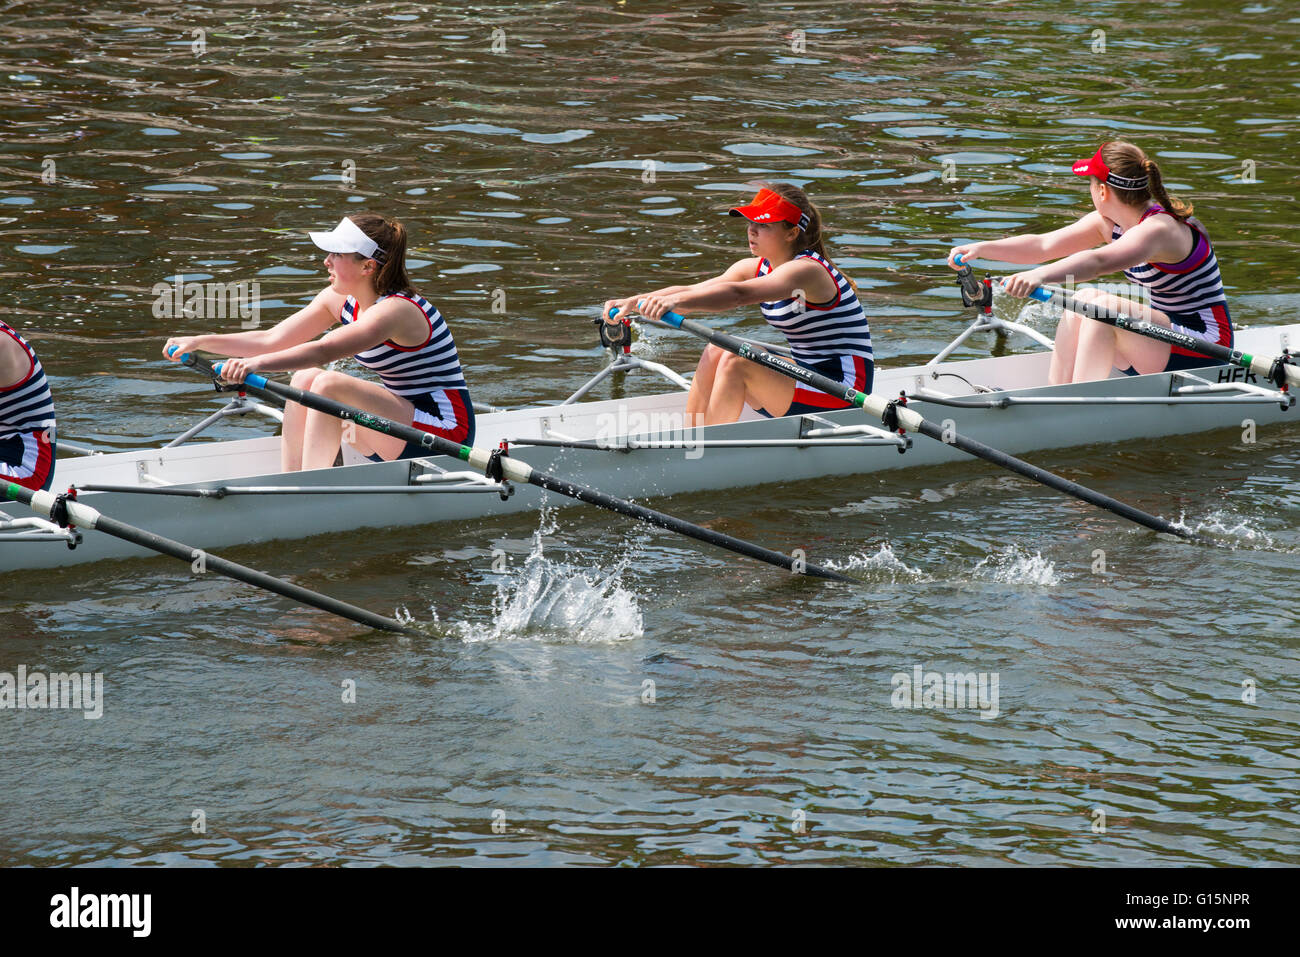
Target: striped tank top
{"points": [[1189, 286], [413, 370], [27, 405], [820, 331]]}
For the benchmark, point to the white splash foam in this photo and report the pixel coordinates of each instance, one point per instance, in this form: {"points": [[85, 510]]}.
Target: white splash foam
{"points": [[884, 565], [1230, 529], [1012, 566], [552, 601]]}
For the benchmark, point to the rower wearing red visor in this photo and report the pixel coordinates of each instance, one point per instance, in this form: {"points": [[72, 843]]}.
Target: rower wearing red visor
{"points": [[1134, 226], [800, 292]]}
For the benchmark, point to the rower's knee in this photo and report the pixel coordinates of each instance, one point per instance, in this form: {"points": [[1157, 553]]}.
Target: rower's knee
{"points": [[730, 366], [304, 378], [329, 382]]}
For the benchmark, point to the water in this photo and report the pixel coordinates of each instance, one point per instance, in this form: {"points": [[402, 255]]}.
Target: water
{"points": [[605, 693]]}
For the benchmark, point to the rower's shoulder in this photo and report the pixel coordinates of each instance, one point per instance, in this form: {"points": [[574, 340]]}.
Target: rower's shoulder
{"points": [[15, 363], [743, 269], [407, 302], [330, 301]]}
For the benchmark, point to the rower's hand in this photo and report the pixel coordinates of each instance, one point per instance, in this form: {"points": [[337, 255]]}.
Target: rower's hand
{"points": [[653, 307], [625, 309], [1021, 284], [173, 349], [967, 253], [234, 371]]}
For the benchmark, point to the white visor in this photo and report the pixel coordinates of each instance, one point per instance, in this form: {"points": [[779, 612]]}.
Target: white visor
{"points": [[347, 237]]}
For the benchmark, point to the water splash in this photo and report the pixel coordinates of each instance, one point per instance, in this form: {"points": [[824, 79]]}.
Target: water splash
{"points": [[552, 601], [1013, 566], [883, 566], [1230, 530]]}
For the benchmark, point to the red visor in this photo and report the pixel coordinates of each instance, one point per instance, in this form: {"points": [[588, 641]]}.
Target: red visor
{"points": [[770, 207], [1097, 167]]}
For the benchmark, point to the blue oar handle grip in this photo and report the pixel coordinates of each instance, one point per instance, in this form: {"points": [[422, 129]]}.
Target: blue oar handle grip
{"points": [[253, 379], [1042, 293], [668, 318], [958, 260]]}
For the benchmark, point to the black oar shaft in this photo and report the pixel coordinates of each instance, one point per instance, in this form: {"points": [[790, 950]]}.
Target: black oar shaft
{"points": [[651, 517], [86, 517], [1261, 365], [1050, 479], [519, 471], [911, 419]]}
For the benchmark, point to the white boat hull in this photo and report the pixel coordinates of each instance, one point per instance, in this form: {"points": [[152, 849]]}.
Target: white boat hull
{"points": [[1020, 429]]}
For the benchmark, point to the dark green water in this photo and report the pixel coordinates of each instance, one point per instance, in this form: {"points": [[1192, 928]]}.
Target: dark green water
{"points": [[522, 174]]}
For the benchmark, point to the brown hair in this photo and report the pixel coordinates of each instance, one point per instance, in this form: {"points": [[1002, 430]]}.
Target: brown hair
{"points": [[811, 237], [1125, 159], [390, 235]]}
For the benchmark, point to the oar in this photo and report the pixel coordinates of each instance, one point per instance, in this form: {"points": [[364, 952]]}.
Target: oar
{"points": [[1280, 370], [67, 511], [896, 415], [500, 466]]}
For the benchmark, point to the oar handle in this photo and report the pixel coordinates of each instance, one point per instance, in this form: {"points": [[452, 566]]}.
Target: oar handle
{"points": [[971, 288], [668, 318], [1042, 293], [189, 359]]}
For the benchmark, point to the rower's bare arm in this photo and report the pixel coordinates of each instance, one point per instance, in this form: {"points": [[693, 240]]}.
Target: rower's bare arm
{"points": [[379, 325], [305, 324], [1085, 233], [737, 272], [789, 279], [1145, 242]]}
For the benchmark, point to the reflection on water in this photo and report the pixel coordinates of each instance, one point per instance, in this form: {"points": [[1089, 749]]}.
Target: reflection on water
{"points": [[546, 158]]}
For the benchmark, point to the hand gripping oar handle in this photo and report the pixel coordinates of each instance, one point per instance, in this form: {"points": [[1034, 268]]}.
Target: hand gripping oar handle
{"points": [[896, 415], [1280, 370], [972, 290], [65, 509], [502, 467]]}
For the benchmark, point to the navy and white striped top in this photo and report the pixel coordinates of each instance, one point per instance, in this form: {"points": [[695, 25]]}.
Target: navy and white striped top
{"points": [[1188, 286], [413, 370], [27, 405], [820, 331]]}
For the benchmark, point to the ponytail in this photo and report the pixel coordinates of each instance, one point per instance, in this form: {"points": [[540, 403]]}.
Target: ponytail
{"points": [[1127, 160], [390, 236], [1181, 210]]}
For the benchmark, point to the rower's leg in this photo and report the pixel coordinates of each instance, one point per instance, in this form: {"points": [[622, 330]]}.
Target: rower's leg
{"points": [[1065, 348], [697, 399], [295, 422], [1103, 347], [739, 381], [325, 433]]}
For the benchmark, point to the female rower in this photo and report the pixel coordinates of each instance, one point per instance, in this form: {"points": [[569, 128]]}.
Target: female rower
{"points": [[387, 326], [26, 415], [801, 293], [1134, 226]]}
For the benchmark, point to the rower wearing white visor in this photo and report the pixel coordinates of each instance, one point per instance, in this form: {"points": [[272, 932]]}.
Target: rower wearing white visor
{"points": [[386, 325]]}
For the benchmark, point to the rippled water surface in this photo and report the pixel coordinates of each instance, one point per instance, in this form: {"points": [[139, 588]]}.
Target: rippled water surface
{"points": [[606, 693]]}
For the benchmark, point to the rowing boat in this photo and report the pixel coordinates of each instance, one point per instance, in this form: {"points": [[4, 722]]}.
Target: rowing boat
{"points": [[225, 493]]}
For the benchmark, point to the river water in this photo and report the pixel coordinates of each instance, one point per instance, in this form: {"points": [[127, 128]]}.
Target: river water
{"points": [[616, 695]]}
